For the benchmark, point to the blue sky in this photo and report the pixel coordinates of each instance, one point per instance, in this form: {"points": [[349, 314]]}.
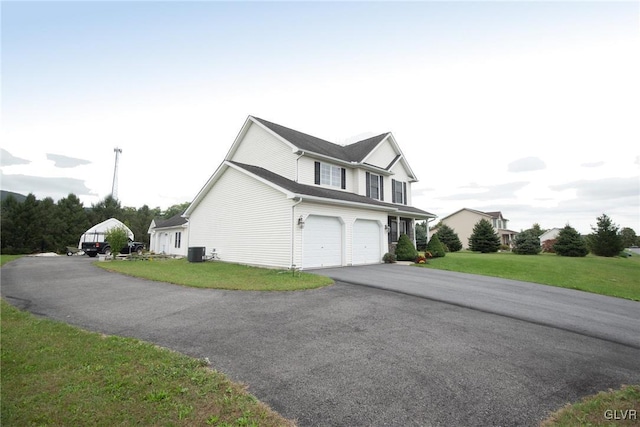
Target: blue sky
{"points": [[530, 108]]}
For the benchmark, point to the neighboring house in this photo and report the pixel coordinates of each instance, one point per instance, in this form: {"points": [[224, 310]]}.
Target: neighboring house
{"points": [[283, 198], [169, 236], [464, 220], [550, 235]]}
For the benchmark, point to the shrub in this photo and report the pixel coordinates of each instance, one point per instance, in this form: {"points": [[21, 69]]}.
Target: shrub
{"points": [[547, 245], [436, 247], [420, 259], [449, 238], [484, 238], [527, 243], [605, 240], [389, 258], [117, 238], [570, 243], [405, 251]]}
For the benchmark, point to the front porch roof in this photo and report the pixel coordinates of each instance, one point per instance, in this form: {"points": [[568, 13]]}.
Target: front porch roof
{"points": [[329, 195]]}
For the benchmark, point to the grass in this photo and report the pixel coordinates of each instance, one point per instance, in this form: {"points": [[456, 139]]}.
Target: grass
{"points": [[219, 275], [47, 381], [612, 408], [618, 277]]}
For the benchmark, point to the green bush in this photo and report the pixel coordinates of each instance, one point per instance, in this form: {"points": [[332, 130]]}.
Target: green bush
{"points": [[526, 243], [405, 251], [436, 248], [484, 238], [449, 238], [570, 243], [389, 258]]}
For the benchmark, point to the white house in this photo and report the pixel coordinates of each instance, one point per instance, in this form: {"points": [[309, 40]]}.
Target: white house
{"points": [[550, 235], [283, 198], [169, 236]]}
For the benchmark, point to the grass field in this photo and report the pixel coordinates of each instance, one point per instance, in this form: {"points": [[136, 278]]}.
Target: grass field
{"points": [[219, 275], [57, 375], [618, 276]]}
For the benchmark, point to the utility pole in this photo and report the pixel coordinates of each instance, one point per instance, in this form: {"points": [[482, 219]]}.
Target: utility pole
{"points": [[114, 186]]}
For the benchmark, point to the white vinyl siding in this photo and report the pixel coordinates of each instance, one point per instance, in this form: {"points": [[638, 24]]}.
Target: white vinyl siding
{"points": [[260, 148], [382, 156], [246, 221]]}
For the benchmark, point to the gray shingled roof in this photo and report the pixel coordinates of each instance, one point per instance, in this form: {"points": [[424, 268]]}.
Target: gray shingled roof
{"points": [[174, 221], [355, 152], [325, 193]]}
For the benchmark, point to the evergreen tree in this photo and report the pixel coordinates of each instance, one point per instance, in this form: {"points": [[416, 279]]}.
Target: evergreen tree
{"points": [[421, 236], [449, 238], [537, 230], [570, 243], [527, 243], [28, 227], [484, 238], [105, 209], [50, 226], [436, 247], [174, 210], [75, 220], [8, 226], [405, 251], [605, 240]]}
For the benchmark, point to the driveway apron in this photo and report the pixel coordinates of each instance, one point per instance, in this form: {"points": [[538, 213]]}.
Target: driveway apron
{"points": [[344, 355]]}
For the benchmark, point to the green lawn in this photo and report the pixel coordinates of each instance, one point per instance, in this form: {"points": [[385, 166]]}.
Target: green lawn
{"points": [[598, 410], [57, 375], [219, 275], [619, 277]]}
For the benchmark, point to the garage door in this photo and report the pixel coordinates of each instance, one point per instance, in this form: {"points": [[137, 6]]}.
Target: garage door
{"points": [[322, 245], [366, 242]]}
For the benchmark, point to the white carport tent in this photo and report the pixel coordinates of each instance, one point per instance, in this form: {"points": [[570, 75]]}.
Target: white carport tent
{"points": [[97, 232]]}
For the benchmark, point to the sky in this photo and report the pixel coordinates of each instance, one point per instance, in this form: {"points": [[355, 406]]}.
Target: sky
{"points": [[528, 108]]}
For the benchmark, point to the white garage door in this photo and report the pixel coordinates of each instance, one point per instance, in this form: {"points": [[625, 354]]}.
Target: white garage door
{"points": [[322, 245], [366, 242]]}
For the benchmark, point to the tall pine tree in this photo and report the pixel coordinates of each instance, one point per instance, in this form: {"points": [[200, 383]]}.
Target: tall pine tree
{"points": [[484, 238], [605, 240], [449, 238], [570, 243]]}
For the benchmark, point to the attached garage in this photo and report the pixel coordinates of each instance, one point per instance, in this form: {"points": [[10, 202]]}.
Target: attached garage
{"points": [[366, 242], [322, 246]]}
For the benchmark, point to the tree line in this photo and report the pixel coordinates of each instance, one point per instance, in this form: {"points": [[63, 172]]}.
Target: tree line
{"points": [[33, 225], [606, 239]]}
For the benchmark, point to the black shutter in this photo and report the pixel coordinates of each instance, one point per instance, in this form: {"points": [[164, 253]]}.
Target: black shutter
{"points": [[382, 188], [343, 182], [368, 184], [393, 190], [317, 173], [404, 192]]}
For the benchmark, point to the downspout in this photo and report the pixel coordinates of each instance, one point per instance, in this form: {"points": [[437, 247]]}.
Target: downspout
{"points": [[293, 229], [298, 167]]}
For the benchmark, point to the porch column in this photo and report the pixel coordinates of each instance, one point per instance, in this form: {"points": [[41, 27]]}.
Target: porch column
{"points": [[413, 231]]}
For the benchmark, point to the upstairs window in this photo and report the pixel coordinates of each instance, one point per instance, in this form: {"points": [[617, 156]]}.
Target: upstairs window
{"points": [[399, 191], [327, 174], [375, 186]]}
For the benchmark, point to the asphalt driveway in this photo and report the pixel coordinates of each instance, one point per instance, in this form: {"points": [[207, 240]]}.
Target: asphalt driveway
{"points": [[349, 355]]}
